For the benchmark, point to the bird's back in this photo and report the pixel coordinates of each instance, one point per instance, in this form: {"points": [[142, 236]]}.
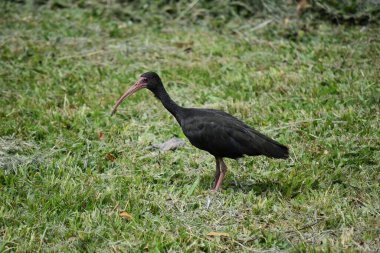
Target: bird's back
{"points": [[225, 136]]}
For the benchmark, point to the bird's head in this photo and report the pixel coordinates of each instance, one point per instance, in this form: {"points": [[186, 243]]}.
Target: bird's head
{"points": [[149, 80]]}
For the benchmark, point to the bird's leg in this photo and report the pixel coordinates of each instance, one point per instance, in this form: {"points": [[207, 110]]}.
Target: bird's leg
{"points": [[222, 174], [217, 173]]}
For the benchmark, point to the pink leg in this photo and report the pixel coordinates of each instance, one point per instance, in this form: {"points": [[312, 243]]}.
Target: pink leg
{"points": [[222, 174], [217, 173]]}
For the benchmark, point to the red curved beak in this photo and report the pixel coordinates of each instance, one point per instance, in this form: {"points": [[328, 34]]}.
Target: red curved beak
{"points": [[137, 86]]}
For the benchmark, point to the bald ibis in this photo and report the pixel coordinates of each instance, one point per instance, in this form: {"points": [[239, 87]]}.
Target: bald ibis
{"points": [[217, 132]]}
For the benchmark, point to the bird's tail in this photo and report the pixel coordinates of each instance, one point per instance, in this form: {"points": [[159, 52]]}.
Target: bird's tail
{"points": [[276, 150], [272, 148]]}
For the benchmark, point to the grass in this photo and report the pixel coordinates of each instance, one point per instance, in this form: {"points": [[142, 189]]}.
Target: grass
{"points": [[312, 86]]}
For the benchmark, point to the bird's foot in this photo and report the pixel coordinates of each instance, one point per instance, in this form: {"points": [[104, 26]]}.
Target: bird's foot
{"points": [[214, 191]]}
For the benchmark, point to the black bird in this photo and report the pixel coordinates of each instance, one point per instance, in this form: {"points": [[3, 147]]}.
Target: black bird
{"points": [[216, 132]]}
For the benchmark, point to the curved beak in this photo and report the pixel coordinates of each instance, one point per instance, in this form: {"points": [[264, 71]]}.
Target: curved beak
{"points": [[137, 86]]}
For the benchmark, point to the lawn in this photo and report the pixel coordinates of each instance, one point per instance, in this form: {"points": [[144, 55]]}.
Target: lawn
{"points": [[68, 169]]}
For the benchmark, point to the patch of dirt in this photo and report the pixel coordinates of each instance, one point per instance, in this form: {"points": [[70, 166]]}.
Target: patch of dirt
{"points": [[171, 144], [15, 152]]}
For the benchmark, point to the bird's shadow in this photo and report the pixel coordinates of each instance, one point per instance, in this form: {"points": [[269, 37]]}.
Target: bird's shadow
{"points": [[257, 187]]}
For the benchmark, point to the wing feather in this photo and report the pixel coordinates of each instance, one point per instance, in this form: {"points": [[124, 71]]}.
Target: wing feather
{"points": [[224, 135]]}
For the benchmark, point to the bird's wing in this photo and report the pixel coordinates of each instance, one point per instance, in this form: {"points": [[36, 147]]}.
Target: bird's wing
{"points": [[266, 145], [222, 134], [218, 136]]}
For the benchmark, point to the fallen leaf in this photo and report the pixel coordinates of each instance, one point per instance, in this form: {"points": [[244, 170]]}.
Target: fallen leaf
{"points": [[215, 234], [125, 215], [110, 157], [184, 44], [286, 21], [302, 5]]}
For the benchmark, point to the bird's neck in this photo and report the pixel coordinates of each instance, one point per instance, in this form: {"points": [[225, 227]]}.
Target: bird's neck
{"points": [[168, 103]]}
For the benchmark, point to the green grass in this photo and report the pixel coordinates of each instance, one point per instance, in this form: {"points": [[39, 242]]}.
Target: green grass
{"points": [[312, 86]]}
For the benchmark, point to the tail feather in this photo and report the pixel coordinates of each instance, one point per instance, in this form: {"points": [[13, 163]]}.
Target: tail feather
{"points": [[272, 148], [276, 151]]}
